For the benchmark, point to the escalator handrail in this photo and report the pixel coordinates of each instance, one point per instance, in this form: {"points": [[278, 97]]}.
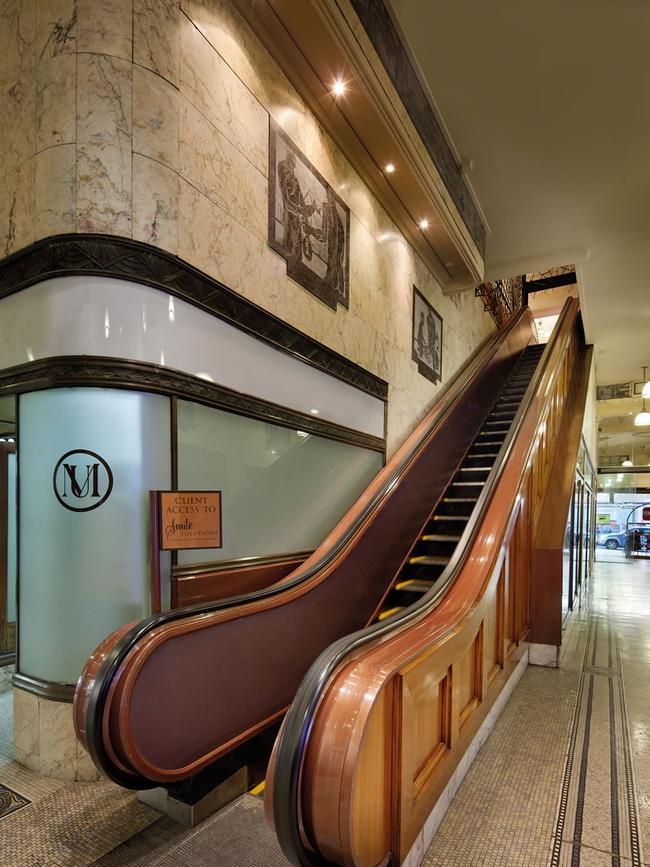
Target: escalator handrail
{"points": [[294, 736], [96, 695]]}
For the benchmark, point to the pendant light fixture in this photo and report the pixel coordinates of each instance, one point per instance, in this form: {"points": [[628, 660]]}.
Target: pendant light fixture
{"points": [[643, 418], [646, 387]]}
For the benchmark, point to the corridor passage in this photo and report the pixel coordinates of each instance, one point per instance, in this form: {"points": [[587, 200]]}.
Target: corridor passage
{"points": [[564, 778]]}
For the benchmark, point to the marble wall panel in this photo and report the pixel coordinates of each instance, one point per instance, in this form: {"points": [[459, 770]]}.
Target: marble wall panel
{"points": [[221, 172], [156, 36], [18, 34], [26, 728], [212, 87], [17, 208], [55, 101], [103, 194], [155, 203], [105, 27], [57, 740], [55, 184], [156, 107], [17, 125], [56, 28], [104, 142]]}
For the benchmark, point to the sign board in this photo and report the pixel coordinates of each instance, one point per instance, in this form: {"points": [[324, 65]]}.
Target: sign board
{"points": [[602, 519], [645, 513], [190, 519]]}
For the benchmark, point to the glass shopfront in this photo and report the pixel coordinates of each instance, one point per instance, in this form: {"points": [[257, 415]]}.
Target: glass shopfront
{"points": [[623, 516], [7, 529], [579, 538]]}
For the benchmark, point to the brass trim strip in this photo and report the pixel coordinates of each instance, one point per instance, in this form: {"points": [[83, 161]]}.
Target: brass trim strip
{"points": [[84, 370], [49, 689]]}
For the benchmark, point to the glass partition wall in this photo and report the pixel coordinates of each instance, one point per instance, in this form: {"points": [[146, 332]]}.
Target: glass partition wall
{"points": [[580, 535], [7, 530]]}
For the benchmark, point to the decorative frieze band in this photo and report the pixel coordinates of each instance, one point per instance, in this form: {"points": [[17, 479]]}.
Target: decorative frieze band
{"points": [[113, 256], [83, 370]]}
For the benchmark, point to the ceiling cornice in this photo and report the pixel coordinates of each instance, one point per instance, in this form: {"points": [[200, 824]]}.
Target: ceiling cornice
{"points": [[314, 41]]}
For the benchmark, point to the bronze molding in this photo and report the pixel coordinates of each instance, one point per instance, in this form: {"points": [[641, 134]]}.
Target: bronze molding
{"points": [[198, 569], [49, 689], [126, 259], [97, 371]]}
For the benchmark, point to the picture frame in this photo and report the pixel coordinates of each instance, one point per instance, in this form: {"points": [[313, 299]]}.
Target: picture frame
{"points": [[426, 339], [308, 222]]}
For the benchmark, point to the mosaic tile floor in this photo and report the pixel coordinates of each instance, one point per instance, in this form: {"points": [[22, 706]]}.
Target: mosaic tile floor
{"points": [[564, 778], [562, 781], [59, 824]]}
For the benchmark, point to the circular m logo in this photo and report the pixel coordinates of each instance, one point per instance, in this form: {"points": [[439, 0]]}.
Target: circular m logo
{"points": [[82, 480]]}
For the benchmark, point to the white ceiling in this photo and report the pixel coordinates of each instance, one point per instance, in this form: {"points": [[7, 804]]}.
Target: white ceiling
{"points": [[550, 100]]}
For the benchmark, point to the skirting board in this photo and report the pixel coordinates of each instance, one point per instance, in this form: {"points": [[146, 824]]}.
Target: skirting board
{"points": [[423, 841]]}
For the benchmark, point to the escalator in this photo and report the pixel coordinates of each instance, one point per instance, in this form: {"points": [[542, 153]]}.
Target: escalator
{"points": [[379, 731], [163, 699], [434, 549]]}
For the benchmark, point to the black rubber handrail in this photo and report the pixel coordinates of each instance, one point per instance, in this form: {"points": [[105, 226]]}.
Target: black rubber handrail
{"points": [[294, 735], [110, 665]]}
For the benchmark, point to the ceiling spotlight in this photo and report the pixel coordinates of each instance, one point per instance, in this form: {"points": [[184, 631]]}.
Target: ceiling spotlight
{"points": [[424, 224], [314, 411], [338, 88], [390, 168]]}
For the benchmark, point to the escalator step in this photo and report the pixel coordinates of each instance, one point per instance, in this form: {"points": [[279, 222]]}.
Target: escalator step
{"points": [[463, 519], [440, 537], [414, 585], [474, 484], [426, 560], [389, 612], [458, 500], [484, 469]]}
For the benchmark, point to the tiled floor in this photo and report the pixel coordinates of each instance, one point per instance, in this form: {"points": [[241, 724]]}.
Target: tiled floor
{"points": [[63, 824], [563, 779]]}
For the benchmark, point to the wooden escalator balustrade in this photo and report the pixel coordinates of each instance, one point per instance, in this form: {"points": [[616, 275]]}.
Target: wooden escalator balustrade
{"points": [[381, 722], [162, 699]]}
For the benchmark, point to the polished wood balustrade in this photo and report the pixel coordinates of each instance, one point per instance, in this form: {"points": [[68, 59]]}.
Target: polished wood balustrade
{"points": [[161, 700], [396, 718]]}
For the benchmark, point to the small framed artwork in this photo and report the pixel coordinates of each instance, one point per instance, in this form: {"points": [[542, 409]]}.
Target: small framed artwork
{"points": [[427, 338], [309, 224]]}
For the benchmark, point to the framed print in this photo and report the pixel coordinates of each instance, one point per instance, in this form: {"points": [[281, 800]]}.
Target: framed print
{"points": [[309, 224], [427, 338]]}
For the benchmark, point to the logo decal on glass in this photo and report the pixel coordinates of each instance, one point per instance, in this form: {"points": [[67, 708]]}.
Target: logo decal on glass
{"points": [[82, 480]]}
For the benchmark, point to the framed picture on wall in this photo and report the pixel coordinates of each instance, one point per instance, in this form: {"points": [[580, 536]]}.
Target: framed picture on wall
{"points": [[309, 224], [427, 338]]}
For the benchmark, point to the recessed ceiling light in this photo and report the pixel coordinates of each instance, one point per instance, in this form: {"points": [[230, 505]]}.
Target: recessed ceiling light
{"points": [[314, 411], [390, 168], [424, 224], [338, 88]]}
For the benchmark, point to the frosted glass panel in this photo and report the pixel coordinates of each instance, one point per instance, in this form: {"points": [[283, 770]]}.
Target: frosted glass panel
{"points": [[283, 491], [11, 538], [117, 318], [84, 573]]}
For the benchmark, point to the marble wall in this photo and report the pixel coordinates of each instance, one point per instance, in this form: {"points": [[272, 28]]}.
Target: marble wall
{"points": [[149, 119]]}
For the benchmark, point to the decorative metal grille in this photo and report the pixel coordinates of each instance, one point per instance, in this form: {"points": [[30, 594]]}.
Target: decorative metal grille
{"points": [[501, 298]]}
